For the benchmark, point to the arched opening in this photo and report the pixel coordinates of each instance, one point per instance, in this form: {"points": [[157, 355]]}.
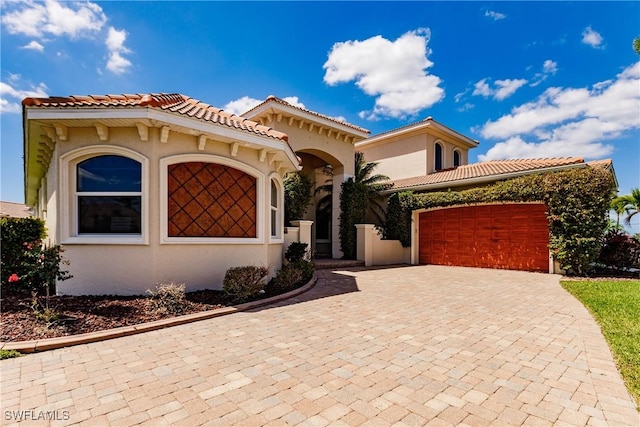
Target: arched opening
{"points": [[456, 158], [326, 172]]}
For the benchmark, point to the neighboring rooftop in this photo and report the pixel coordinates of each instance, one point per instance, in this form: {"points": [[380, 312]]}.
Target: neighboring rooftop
{"points": [[492, 170], [14, 210], [172, 102]]}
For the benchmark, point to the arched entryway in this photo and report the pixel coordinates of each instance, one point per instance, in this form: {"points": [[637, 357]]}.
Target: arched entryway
{"points": [[327, 174]]}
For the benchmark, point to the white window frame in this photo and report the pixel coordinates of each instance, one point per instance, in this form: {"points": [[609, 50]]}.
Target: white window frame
{"points": [[279, 236], [69, 200], [225, 161]]}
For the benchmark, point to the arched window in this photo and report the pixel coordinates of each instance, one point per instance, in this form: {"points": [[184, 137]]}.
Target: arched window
{"points": [[438, 157], [108, 195], [456, 158], [275, 210]]}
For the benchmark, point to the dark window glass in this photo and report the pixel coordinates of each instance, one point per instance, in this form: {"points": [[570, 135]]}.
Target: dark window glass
{"points": [[109, 214], [438, 157], [109, 174], [456, 158]]}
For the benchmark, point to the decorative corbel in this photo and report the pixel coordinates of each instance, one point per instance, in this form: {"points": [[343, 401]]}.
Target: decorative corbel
{"points": [[202, 142], [164, 134], [103, 132], [234, 149], [143, 131], [62, 131]]}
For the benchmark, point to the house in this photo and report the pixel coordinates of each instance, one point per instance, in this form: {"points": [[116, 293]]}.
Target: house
{"points": [[14, 210], [147, 189], [157, 188]]}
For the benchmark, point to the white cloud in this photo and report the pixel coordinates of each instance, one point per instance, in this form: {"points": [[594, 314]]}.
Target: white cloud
{"points": [[549, 68], [34, 45], [36, 19], [501, 90], [392, 71], [293, 100], [246, 103], [592, 37], [11, 97], [117, 63], [569, 121], [242, 105], [506, 88], [496, 16], [75, 20]]}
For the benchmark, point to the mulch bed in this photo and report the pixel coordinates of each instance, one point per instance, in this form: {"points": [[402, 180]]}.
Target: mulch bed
{"points": [[81, 314]]}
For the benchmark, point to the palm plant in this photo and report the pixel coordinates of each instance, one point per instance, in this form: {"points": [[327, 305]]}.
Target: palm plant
{"points": [[374, 183], [629, 204]]}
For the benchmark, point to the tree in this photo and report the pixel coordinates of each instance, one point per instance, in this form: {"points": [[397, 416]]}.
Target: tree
{"points": [[374, 185], [629, 204], [636, 45], [618, 205], [360, 195], [297, 196]]}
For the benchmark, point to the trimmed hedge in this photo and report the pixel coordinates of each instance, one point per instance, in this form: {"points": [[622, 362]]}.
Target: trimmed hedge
{"points": [[577, 203], [353, 209]]}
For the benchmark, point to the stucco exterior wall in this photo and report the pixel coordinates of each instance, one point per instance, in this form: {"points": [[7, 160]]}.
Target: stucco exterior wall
{"points": [[134, 268], [411, 155], [336, 152]]}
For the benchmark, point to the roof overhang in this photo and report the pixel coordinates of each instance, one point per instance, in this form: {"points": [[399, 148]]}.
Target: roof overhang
{"points": [[273, 110], [428, 124], [43, 127], [486, 179]]}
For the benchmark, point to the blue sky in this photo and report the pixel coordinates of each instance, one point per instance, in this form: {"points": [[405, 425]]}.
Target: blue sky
{"points": [[526, 79]]}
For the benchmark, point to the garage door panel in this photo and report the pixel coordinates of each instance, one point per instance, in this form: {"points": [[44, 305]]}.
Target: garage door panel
{"points": [[512, 236]]}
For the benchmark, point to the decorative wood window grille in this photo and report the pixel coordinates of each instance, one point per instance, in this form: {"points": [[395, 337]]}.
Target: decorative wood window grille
{"points": [[211, 200]]}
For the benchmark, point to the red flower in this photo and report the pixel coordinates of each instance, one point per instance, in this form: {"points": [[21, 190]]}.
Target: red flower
{"points": [[13, 278]]}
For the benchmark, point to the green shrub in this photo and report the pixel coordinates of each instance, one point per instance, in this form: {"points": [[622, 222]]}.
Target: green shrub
{"points": [[243, 283], [285, 280], [297, 196], [297, 251], [353, 209], [15, 234], [8, 354], [291, 276], [169, 298], [619, 250], [28, 266]]}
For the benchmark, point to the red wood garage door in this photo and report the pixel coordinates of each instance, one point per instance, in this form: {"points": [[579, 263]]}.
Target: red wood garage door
{"points": [[509, 236]]}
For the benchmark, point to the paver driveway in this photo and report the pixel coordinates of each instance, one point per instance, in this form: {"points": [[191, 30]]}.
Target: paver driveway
{"points": [[423, 345]]}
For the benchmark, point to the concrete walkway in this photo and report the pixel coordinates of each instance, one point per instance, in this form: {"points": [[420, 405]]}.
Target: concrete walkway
{"points": [[424, 345]]}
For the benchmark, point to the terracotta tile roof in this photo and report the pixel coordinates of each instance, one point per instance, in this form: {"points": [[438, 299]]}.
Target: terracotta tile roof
{"points": [[272, 98], [14, 210], [172, 102], [493, 168]]}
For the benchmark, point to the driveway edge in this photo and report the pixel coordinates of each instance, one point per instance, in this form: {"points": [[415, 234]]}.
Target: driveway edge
{"points": [[33, 346]]}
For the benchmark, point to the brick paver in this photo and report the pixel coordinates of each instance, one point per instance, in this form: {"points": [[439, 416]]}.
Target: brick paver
{"points": [[421, 345]]}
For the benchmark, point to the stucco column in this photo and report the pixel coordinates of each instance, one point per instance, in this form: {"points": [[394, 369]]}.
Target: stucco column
{"points": [[304, 231], [365, 243]]}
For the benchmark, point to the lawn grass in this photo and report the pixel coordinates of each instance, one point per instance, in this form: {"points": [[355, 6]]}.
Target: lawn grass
{"points": [[8, 354], [615, 304]]}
